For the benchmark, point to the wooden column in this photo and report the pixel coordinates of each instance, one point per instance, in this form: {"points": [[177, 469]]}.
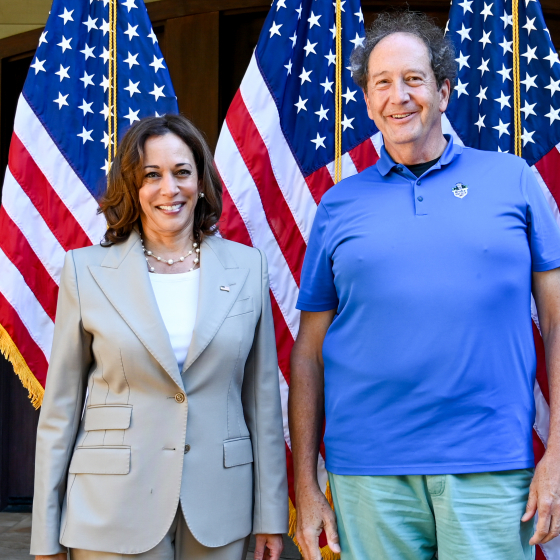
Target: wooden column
{"points": [[192, 55]]}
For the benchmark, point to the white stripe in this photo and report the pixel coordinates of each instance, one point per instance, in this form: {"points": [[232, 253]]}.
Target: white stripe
{"points": [[246, 198], [58, 172], [322, 476], [448, 129], [348, 167], [22, 299], [551, 549], [547, 195], [542, 418], [38, 234], [377, 141], [264, 113]]}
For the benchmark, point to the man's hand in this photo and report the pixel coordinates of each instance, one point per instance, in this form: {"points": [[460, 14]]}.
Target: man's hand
{"points": [[268, 547], [313, 515], [59, 556], [544, 497]]}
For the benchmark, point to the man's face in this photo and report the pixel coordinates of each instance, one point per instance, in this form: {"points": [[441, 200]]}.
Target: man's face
{"points": [[402, 95]]}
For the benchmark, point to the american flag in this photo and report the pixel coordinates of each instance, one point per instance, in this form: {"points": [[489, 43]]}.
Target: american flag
{"points": [[481, 115], [276, 150], [58, 159]]}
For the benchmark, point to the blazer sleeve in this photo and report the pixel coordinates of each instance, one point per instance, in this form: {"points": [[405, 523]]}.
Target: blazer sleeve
{"points": [[263, 414], [60, 413]]}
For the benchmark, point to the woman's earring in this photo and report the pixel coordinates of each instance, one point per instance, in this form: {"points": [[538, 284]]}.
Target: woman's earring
{"points": [[201, 195]]}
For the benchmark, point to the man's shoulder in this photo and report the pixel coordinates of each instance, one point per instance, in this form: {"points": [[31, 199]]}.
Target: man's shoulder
{"points": [[500, 160], [349, 187]]}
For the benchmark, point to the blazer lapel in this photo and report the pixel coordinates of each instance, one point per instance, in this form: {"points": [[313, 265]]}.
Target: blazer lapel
{"points": [[218, 270], [123, 278]]}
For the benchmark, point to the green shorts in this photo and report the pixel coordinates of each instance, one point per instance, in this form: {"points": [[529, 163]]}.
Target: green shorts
{"points": [[459, 517]]}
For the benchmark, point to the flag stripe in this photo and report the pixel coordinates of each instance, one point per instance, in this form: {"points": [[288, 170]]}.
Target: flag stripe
{"points": [[542, 377], [542, 417], [231, 223], [319, 182], [364, 155], [548, 168]]}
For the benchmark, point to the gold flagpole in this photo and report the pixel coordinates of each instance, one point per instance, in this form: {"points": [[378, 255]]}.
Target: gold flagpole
{"points": [[516, 77], [338, 97]]}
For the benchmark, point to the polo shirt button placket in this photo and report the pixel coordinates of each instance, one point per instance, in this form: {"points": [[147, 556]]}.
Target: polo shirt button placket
{"points": [[420, 208]]}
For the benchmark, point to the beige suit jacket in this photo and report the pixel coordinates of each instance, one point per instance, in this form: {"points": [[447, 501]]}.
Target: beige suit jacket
{"points": [[110, 473]]}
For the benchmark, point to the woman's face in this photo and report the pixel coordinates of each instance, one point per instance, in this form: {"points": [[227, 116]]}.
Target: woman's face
{"points": [[169, 191]]}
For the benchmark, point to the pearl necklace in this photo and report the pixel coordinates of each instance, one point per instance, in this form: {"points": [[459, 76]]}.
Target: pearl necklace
{"points": [[171, 262]]}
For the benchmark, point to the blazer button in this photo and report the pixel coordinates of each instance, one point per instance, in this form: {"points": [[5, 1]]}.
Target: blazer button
{"points": [[187, 448], [180, 398]]}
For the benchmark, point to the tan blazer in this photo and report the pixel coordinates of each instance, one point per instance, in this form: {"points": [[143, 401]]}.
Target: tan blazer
{"points": [[210, 436]]}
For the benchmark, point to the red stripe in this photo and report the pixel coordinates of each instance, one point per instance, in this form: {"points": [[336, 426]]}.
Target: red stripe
{"points": [[28, 348], [56, 214], [231, 223], [17, 249], [255, 155], [319, 182], [538, 447], [548, 167], [542, 377], [539, 554], [364, 155]]}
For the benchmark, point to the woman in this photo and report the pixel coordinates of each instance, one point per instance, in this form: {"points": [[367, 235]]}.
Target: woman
{"points": [[165, 332]]}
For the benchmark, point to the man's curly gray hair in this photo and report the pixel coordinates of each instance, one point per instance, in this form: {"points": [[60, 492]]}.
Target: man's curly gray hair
{"points": [[441, 50]]}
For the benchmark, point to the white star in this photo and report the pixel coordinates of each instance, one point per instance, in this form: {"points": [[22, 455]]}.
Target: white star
{"points": [[131, 31], [480, 122], [43, 38], [528, 109], [156, 114], [106, 55], [132, 88], [484, 66], [527, 137], [552, 58], [65, 44], [304, 76], [158, 92], [461, 88], [553, 115], [331, 57], [106, 28], [319, 141], [131, 60], [341, 5], [530, 54], [293, 39], [553, 87], [106, 139], [505, 72], [309, 48], [502, 151], [527, 2], [289, 66], [105, 83], [530, 25], [502, 128], [327, 85], [61, 100], [88, 51], [503, 100], [67, 16], [462, 60], [360, 15], [105, 111], [85, 135], [506, 45], [129, 4], [481, 94], [275, 30], [346, 122], [87, 80], [464, 33], [157, 63], [485, 39], [349, 95], [507, 19], [280, 4], [358, 41], [91, 23], [38, 65], [487, 10], [151, 36], [63, 72], [529, 81], [132, 115], [333, 31], [546, 29], [106, 167], [86, 107], [298, 10], [314, 20], [301, 104], [322, 113], [466, 5], [446, 28]]}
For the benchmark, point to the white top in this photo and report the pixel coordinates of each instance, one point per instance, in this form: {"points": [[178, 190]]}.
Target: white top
{"points": [[177, 299]]}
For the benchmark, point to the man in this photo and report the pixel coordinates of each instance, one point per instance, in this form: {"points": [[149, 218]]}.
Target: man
{"points": [[415, 340]]}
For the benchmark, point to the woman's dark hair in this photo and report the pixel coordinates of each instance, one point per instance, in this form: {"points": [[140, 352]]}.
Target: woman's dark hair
{"points": [[120, 204], [440, 48]]}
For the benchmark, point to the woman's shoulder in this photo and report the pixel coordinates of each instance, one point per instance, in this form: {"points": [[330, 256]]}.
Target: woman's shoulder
{"points": [[91, 255]]}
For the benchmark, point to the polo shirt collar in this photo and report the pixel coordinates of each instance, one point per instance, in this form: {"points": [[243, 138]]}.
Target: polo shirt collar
{"points": [[386, 164]]}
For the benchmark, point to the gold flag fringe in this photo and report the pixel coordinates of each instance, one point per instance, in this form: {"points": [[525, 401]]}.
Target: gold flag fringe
{"points": [[326, 552], [28, 380]]}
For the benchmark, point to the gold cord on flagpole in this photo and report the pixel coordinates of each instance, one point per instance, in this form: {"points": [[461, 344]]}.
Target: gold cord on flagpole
{"points": [[338, 97], [516, 78], [112, 97]]}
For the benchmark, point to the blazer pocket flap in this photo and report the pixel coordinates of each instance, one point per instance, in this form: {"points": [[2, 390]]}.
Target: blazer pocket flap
{"points": [[241, 306], [108, 418], [238, 452], [100, 460]]}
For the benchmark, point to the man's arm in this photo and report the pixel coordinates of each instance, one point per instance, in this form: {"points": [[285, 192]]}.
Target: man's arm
{"points": [[544, 495], [306, 414]]}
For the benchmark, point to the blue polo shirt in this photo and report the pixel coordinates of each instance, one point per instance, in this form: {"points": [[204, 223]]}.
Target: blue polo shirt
{"points": [[430, 360]]}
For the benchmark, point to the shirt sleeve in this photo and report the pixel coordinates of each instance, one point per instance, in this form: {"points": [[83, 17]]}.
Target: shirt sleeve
{"points": [[317, 289], [543, 230]]}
